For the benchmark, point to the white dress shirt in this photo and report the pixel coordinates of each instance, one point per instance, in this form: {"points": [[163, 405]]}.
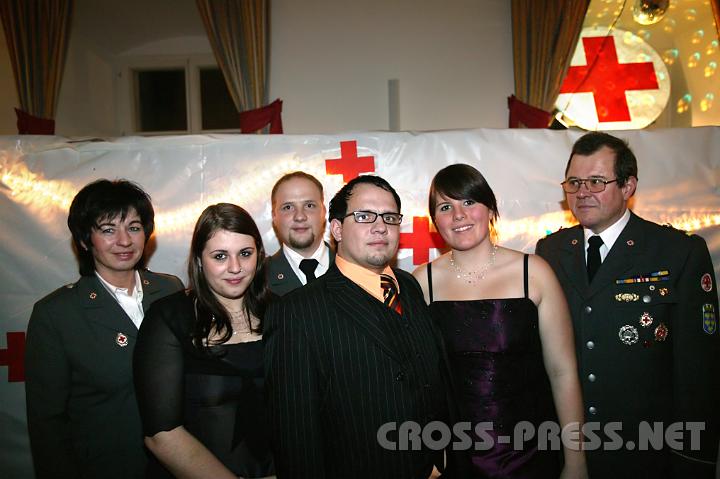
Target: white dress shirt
{"points": [[130, 303], [609, 236], [321, 254]]}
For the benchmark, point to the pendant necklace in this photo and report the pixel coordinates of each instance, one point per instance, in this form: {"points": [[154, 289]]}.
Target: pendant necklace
{"points": [[472, 277]]}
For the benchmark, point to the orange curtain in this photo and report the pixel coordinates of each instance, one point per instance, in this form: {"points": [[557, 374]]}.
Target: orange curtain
{"points": [[238, 34], [545, 34], [716, 14], [37, 35]]}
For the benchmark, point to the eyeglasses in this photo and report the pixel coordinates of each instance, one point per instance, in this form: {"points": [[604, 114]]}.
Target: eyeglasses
{"points": [[371, 216], [593, 185]]}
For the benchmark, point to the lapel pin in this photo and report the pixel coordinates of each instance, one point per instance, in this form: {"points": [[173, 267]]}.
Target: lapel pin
{"points": [[706, 282], [663, 291], [280, 276], [93, 295], [121, 340], [646, 320], [651, 287], [574, 242], [628, 335], [146, 282], [661, 332], [630, 243]]}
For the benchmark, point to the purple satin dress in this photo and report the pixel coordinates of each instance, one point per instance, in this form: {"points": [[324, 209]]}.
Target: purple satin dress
{"points": [[495, 356]]}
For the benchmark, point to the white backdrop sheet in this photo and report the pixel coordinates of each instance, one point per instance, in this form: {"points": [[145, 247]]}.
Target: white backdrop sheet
{"points": [[679, 177]]}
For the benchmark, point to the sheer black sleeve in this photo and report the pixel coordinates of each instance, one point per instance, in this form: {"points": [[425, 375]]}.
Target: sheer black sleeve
{"points": [[158, 367]]}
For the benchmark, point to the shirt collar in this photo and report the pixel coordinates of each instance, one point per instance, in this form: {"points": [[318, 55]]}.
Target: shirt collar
{"points": [[320, 254], [138, 291], [366, 279], [611, 234]]}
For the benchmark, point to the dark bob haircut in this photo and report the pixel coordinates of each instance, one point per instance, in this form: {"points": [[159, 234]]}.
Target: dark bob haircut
{"points": [[625, 161], [103, 200], [462, 182], [211, 314], [338, 205]]}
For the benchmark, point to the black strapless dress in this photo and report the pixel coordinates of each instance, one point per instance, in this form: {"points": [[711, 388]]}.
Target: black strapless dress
{"points": [[497, 366]]}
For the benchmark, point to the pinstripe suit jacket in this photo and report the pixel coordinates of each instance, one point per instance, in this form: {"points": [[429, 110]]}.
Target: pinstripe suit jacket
{"points": [[339, 364]]}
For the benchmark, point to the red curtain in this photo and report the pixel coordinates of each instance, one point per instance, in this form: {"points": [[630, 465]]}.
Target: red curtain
{"points": [[254, 120]]}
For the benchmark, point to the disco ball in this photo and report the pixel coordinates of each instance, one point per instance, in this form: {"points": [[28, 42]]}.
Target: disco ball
{"points": [[647, 12]]}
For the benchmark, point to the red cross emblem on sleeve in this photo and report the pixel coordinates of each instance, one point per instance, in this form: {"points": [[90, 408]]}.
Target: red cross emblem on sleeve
{"points": [[421, 240], [350, 165]]}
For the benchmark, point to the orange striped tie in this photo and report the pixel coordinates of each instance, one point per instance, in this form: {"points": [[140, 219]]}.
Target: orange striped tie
{"points": [[390, 293]]}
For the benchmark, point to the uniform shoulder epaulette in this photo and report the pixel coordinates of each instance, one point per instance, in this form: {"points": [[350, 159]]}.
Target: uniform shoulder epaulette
{"points": [[670, 226]]}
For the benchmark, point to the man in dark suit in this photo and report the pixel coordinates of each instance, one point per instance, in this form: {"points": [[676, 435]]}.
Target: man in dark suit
{"points": [[83, 419], [353, 351], [644, 308], [298, 216]]}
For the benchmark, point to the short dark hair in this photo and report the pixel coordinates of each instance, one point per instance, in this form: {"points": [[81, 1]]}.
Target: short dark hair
{"points": [[461, 182], [211, 314], [103, 200], [293, 175], [625, 161], [338, 205]]}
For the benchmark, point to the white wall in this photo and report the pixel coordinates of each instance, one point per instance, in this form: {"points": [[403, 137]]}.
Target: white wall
{"points": [[331, 61]]}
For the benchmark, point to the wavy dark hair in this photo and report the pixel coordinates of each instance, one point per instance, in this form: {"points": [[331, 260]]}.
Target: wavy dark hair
{"points": [[104, 200], [462, 182], [211, 314]]}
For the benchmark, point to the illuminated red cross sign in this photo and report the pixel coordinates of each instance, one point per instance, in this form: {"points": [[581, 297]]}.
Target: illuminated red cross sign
{"points": [[421, 240], [349, 164], [608, 79], [14, 357]]}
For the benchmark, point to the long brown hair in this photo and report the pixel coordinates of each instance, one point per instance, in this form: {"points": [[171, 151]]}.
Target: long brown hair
{"points": [[211, 314]]}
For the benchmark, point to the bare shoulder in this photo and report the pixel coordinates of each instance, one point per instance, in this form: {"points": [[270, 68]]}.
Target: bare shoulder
{"points": [[539, 267], [420, 275]]}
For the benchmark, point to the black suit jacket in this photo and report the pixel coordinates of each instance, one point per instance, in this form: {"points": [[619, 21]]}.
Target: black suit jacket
{"points": [[650, 379], [82, 415], [340, 364], [281, 277]]}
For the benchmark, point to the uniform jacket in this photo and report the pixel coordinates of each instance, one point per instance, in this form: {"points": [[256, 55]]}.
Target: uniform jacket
{"points": [[82, 414], [340, 364], [281, 277], [647, 343]]}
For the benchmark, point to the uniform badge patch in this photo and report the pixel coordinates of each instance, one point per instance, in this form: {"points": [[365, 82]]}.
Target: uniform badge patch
{"points": [[661, 332], [121, 340], [627, 297], [628, 335], [706, 282], [646, 320], [709, 318]]}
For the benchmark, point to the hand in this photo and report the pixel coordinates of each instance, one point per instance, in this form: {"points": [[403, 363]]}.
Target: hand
{"points": [[435, 473]]}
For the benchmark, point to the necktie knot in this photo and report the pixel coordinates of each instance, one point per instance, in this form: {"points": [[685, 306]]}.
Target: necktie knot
{"points": [[391, 298], [593, 257], [308, 267]]}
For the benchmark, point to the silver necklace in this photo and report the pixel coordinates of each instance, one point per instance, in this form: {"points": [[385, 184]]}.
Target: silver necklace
{"points": [[472, 277]]}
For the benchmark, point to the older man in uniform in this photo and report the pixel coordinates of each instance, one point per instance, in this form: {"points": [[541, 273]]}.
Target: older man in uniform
{"points": [[644, 309]]}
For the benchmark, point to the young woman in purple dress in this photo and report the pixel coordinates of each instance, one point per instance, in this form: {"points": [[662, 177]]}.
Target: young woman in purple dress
{"points": [[508, 335]]}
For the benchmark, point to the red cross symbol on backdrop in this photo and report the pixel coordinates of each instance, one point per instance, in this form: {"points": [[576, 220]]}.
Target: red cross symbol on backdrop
{"points": [[607, 79], [421, 240], [349, 164], [14, 357]]}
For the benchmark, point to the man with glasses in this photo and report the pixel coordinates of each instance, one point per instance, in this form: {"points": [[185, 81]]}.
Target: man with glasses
{"points": [[353, 351], [644, 307]]}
